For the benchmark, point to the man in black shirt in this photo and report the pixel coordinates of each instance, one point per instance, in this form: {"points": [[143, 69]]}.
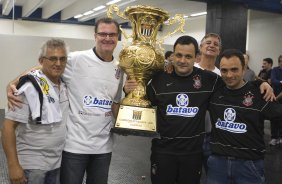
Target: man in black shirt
{"points": [[265, 73], [237, 130]]}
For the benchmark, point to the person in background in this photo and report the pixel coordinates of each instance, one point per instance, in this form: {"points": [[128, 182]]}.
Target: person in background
{"points": [[209, 48], [168, 60], [265, 73], [94, 83], [276, 81], [249, 73], [33, 136], [237, 111]]}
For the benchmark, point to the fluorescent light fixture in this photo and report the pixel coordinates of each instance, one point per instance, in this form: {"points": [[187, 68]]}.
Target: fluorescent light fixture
{"points": [[109, 3], [78, 16], [99, 8], [88, 12], [103, 11], [198, 14], [185, 16]]}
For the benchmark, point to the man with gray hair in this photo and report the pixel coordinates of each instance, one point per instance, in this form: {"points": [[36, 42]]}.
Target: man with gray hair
{"points": [[33, 136]]}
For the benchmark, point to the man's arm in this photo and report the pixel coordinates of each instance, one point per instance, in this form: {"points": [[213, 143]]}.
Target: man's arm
{"points": [[14, 101], [274, 79], [129, 86], [279, 96], [16, 172], [115, 108], [265, 89]]}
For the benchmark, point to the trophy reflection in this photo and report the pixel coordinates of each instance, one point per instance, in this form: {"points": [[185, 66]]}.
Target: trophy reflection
{"points": [[139, 61]]}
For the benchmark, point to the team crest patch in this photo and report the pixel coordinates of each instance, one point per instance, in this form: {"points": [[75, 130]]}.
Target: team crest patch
{"points": [[197, 81], [118, 73], [248, 99]]}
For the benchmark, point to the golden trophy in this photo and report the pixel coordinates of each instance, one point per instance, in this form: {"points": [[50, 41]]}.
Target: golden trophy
{"points": [[139, 61]]}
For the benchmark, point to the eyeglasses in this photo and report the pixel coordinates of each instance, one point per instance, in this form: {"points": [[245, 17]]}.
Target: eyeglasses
{"points": [[55, 59], [104, 35]]}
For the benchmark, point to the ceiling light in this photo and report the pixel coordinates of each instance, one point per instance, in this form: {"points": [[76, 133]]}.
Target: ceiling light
{"points": [[185, 16], [78, 16], [198, 14], [111, 2], [99, 8], [88, 13]]}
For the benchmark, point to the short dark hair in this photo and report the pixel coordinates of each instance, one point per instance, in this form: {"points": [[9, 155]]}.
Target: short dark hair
{"points": [[106, 20], [168, 54], [228, 53], [268, 60], [187, 40]]}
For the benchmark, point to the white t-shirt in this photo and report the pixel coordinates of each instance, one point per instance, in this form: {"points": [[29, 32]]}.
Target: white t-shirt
{"points": [[39, 146], [215, 70], [93, 86]]}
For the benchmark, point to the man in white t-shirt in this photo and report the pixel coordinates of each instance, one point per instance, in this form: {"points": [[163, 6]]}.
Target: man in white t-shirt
{"points": [[209, 48]]}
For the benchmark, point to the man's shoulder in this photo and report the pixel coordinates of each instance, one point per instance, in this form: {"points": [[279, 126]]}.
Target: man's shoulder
{"points": [[80, 53], [207, 73]]}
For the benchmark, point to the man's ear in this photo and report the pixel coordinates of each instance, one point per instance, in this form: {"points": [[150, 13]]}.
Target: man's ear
{"points": [[40, 60]]}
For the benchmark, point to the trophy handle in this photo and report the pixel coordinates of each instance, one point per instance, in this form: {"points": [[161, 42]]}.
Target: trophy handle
{"points": [[114, 8], [177, 18]]}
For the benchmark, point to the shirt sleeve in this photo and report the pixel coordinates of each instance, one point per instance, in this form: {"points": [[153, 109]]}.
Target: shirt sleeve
{"points": [[21, 115], [68, 70], [151, 93]]}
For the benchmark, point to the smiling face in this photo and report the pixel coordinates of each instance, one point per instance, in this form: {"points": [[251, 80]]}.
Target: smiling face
{"points": [[54, 63], [106, 38], [210, 46], [232, 72], [183, 59]]}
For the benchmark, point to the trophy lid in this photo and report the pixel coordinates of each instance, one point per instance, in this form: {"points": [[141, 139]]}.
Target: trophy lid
{"points": [[146, 10]]}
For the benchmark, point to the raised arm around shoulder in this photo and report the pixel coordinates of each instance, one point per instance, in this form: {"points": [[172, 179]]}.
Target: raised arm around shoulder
{"points": [[267, 90], [14, 101]]}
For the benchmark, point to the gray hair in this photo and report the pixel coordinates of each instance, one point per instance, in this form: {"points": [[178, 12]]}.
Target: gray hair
{"points": [[208, 35], [53, 43]]}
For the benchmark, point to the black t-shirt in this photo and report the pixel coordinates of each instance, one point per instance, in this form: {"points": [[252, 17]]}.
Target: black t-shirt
{"points": [[237, 116], [181, 106]]}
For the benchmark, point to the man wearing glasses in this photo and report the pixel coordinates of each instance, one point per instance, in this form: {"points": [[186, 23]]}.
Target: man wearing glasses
{"points": [[33, 136], [94, 83]]}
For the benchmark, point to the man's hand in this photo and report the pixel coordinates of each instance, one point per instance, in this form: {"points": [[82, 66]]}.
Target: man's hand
{"points": [[169, 68], [13, 101], [16, 175], [267, 89], [129, 86]]}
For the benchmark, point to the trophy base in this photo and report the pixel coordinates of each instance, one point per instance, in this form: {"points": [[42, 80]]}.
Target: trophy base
{"points": [[139, 121], [143, 133]]}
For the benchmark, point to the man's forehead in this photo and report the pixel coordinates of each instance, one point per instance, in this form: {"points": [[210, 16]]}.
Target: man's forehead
{"points": [[184, 48], [212, 38]]}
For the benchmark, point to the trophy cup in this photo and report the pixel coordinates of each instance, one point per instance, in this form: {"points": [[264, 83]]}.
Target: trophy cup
{"points": [[139, 61]]}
